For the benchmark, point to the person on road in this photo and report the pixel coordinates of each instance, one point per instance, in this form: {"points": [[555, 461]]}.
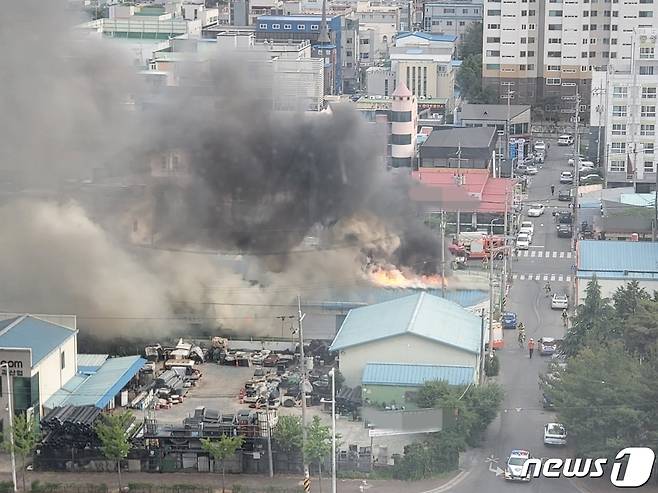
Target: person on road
{"points": [[521, 337], [547, 288], [531, 347], [565, 317], [552, 190]]}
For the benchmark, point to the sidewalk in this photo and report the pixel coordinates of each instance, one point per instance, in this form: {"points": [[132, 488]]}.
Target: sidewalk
{"points": [[251, 481]]}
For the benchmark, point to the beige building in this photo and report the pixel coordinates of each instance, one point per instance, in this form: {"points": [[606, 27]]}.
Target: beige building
{"points": [[418, 329]]}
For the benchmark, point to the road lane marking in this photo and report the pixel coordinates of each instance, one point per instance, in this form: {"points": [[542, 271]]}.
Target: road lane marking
{"points": [[561, 254], [546, 278], [560, 277], [552, 277], [568, 279], [568, 254], [540, 254], [554, 254], [533, 253]]}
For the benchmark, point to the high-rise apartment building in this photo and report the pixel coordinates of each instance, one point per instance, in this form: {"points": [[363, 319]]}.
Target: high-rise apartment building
{"points": [[544, 49]]}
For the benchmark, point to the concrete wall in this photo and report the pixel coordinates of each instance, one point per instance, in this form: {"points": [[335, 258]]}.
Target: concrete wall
{"points": [[400, 349], [51, 375], [609, 286]]}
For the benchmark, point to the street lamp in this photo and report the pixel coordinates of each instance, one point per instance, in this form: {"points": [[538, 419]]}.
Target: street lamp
{"points": [[5, 365], [491, 225], [332, 374]]}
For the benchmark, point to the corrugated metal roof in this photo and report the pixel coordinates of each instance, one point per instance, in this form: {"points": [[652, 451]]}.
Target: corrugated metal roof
{"points": [[415, 375], [89, 363], [101, 387], [428, 36], [631, 257], [617, 275], [420, 314], [62, 395], [38, 335]]}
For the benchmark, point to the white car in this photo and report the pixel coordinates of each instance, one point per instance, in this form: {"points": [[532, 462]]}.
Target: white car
{"points": [[555, 434], [536, 210], [559, 302], [514, 466], [566, 177], [528, 228], [523, 241], [531, 169], [565, 140], [540, 145]]}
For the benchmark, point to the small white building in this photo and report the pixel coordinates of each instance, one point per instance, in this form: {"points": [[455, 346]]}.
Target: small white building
{"points": [[420, 329], [404, 124]]}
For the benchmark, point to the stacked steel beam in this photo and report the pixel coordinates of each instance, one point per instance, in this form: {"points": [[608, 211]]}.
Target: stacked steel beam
{"points": [[70, 426]]}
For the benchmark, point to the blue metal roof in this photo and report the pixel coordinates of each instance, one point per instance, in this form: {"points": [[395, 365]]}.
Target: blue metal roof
{"points": [[38, 335], [294, 18], [90, 363], [415, 375], [617, 259], [420, 314], [101, 387], [428, 36]]}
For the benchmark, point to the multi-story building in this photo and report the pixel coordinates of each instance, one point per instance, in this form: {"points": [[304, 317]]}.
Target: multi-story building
{"points": [[378, 26], [543, 50], [628, 119], [404, 125], [380, 81], [451, 17]]}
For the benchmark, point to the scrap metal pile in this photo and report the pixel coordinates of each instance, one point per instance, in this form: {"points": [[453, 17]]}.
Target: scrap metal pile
{"points": [[70, 426]]}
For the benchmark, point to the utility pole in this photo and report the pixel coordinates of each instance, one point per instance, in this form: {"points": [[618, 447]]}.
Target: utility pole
{"points": [[509, 96], [503, 288], [482, 348], [493, 252], [300, 319], [10, 408], [443, 254], [459, 184], [269, 438], [576, 162]]}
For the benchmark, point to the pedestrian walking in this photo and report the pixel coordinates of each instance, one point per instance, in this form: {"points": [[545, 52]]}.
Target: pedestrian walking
{"points": [[531, 347], [552, 190]]}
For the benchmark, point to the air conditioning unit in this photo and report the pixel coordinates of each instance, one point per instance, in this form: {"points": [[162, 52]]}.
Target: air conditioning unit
{"points": [[643, 38]]}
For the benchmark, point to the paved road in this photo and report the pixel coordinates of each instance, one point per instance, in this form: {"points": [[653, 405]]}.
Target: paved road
{"points": [[522, 419]]}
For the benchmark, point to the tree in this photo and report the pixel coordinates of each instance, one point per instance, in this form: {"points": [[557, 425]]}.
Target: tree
{"points": [[484, 401], [432, 393], [26, 436], [641, 329], [471, 41], [627, 299], [111, 431], [318, 444], [469, 81], [221, 450], [594, 322], [288, 433]]}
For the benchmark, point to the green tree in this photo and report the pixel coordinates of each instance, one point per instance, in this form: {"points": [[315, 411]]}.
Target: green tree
{"points": [[471, 41], [600, 398], [432, 393], [627, 299], [641, 328], [318, 444], [111, 431], [484, 402], [469, 81], [288, 433], [594, 322], [26, 436], [221, 450]]}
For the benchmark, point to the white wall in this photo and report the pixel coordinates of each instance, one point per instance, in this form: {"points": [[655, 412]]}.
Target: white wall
{"points": [[400, 349], [609, 286], [51, 376]]}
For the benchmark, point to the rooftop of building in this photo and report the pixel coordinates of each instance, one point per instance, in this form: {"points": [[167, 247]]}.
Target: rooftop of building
{"points": [[422, 315], [618, 259], [294, 17], [495, 112], [428, 36], [413, 375], [99, 388], [467, 138], [29, 332]]}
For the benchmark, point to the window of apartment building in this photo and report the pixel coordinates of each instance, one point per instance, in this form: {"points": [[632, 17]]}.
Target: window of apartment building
{"points": [[493, 53], [348, 53], [531, 13], [276, 26], [585, 41], [522, 54], [648, 147], [553, 68], [648, 93], [364, 41], [613, 41], [531, 40], [302, 27], [553, 81], [592, 27], [315, 27], [493, 39], [448, 11], [522, 68], [555, 13], [592, 54], [647, 130], [493, 12], [605, 54], [555, 27], [594, 13], [262, 26], [554, 54], [524, 13], [648, 166], [523, 41], [606, 13], [448, 23], [615, 13], [646, 13], [617, 165], [493, 66], [583, 54], [606, 41], [619, 110], [615, 27], [524, 27], [287, 26], [554, 41], [464, 11], [585, 13], [531, 66], [619, 92], [618, 148], [585, 27], [613, 54], [493, 26], [531, 53], [531, 27], [646, 70], [648, 112], [618, 129], [646, 52], [606, 27], [646, 1], [592, 41], [462, 23], [403, 139]]}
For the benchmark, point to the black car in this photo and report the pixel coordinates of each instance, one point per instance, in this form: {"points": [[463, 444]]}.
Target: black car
{"points": [[564, 196], [564, 217], [564, 231]]}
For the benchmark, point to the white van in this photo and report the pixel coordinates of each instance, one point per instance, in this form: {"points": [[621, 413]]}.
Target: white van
{"points": [[565, 140]]}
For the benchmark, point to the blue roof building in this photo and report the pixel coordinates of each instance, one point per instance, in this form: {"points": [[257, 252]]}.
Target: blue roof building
{"points": [[615, 263], [420, 329]]}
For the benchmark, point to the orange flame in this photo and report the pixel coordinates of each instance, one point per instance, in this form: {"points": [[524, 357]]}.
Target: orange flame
{"points": [[395, 278]]}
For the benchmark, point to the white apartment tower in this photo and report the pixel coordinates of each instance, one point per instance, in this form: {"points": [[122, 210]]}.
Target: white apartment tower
{"points": [[404, 125], [547, 48], [625, 112]]}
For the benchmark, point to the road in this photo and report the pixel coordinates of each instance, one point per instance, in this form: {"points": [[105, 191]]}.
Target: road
{"points": [[521, 422]]}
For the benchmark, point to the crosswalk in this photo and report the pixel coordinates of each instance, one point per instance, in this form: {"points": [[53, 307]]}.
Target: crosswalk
{"points": [[544, 254], [542, 277]]}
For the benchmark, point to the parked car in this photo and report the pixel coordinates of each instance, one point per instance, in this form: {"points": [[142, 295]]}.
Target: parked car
{"points": [[591, 179], [584, 163], [531, 169], [566, 177], [555, 434], [547, 346], [540, 146], [572, 161], [564, 231], [564, 195], [565, 140], [523, 241], [564, 217], [536, 210], [559, 302], [520, 169], [508, 320], [527, 227]]}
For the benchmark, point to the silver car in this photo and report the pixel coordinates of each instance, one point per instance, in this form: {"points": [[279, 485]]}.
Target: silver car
{"points": [[559, 302], [555, 434]]}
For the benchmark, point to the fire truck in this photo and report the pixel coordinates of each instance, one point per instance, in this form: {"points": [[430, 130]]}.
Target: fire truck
{"points": [[477, 245]]}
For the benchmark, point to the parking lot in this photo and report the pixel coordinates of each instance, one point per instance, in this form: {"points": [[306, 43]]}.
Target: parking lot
{"points": [[219, 389]]}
